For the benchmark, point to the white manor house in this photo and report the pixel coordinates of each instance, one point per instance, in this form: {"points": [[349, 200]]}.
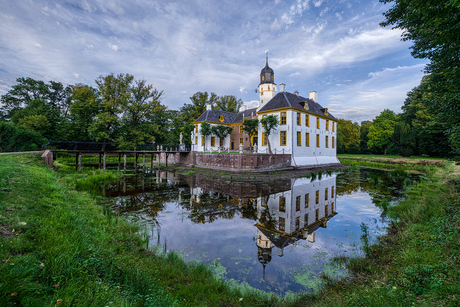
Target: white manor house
{"points": [[306, 130]]}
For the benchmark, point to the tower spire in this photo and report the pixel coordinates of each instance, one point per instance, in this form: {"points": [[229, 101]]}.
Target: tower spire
{"points": [[266, 57]]}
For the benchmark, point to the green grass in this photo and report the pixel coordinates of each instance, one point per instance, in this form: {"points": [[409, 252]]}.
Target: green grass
{"points": [[59, 247], [57, 244], [365, 156]]}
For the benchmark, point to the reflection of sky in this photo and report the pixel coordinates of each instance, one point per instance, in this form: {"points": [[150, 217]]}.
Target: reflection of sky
{"points": [[232, 241]]}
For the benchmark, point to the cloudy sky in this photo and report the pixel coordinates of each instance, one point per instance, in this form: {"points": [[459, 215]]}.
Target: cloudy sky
{"points": [[335, 47]]}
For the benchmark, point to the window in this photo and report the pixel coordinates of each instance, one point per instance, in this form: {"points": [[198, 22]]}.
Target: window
{"points": [[282, 223], [221, 142], [307, 200], [317, 215], [326, 210], [307, 120], [202, 140], [326, 193], [332, 207], [196, 140], [299, 138], [240, 141], [327, 141], [213, 141], [317, 123], [306, 219], [196, 128], [317, 197], [332, 192], [264, 139], [263, 78], [297, 203], [283, 118], [272, 78], [232, 143], [317, 140], [297, 222], [333, 126], [299, 119], [333, 142], [307, 139], [241, 128], [327, 124], [283, 138], [282, 204]]}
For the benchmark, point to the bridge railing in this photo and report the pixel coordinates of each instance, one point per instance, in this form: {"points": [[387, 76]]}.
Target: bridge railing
{"points": [[104, 146]]}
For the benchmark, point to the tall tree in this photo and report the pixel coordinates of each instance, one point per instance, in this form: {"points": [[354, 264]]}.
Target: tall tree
{"points": [[114, 91], [84, 108], [250, 126], [381, 131], [228, 103], [269, 123], [140, 106], [348, 136], [433, 27], [364, 131]]}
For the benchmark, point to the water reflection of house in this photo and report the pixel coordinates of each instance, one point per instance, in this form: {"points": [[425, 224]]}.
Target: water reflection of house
{"points": [[286, 217]]}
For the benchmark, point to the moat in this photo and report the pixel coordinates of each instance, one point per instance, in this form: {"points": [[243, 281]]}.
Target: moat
{"points": [[278, 236]]}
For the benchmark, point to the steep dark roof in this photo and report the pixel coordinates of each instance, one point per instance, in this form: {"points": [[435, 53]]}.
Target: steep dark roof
{"points": [[289, 100], [214, 116], [248, 113], [229, 118]]}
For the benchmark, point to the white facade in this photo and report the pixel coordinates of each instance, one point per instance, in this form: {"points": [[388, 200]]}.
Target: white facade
{"points": [[300, 211], [307, 151]]}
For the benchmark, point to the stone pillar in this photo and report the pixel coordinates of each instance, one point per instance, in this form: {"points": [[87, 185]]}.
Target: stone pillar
{"points": [[241, 148], [255, 149]]}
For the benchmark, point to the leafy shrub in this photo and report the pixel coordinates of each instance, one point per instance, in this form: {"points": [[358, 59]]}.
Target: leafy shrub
{"points": [[19, 138]]}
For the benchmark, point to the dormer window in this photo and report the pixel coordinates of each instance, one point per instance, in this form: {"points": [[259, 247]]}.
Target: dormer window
{"points": [[221, 119]]}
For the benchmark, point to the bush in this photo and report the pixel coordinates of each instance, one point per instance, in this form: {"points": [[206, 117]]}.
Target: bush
{"points": [[19, 138]]}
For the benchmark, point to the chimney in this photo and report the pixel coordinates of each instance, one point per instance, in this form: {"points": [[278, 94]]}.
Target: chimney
{"points": [[208, 107], [313, 96], [296, 93], [282, 87]]}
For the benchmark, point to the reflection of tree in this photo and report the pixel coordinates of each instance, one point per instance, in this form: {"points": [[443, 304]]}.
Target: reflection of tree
{"points": [[379, 184], [249, 210], [267, 220]]}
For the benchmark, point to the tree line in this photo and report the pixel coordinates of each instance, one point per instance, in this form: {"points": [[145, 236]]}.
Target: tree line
{"points": [[119, 109]]}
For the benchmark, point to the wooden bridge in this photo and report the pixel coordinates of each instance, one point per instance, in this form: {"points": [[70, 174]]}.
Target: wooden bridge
{"points": [[160, 152]]}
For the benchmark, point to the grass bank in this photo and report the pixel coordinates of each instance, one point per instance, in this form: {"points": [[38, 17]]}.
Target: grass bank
{"points": [[417, 263], [59, 247]]}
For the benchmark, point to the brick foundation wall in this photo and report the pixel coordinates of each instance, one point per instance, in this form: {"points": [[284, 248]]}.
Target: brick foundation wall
{"points": [[236, 161]]}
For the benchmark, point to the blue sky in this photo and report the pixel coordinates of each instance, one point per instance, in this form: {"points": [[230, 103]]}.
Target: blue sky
{"points": [[336, 48]]}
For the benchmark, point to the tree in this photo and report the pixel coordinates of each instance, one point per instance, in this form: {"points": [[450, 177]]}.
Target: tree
{"points": [[433, 26], [83, 109], [381, 131], [228, 103], [269, 123], [404, 139], [138, 112], [363, 132], [40, 105], [429, 128], [19, 138], [114, 91], [221, 131], [250, 126], [205, 131], [348, 136]]}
